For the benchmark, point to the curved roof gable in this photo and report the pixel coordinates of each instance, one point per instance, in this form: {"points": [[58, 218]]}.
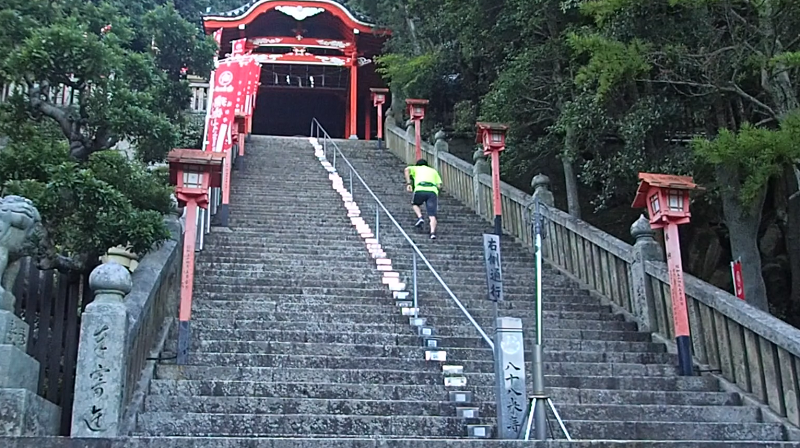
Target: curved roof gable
{"points": [[249, 11]]}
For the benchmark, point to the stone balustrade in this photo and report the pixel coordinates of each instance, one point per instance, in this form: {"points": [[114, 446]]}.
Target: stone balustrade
{"points": [[753, 350]]}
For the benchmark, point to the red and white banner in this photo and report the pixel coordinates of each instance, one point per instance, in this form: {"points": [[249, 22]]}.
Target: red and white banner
{"points": [[228, 82], [738, 281], [237, 47]]}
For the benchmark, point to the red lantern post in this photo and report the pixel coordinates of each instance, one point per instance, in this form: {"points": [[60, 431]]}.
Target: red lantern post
{"points": [[378, 100], [416, 110], [193, 172], [493, 138], [666, 198]]}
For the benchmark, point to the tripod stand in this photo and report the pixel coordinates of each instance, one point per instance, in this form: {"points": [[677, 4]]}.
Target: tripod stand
{"points": [[535, 411]]}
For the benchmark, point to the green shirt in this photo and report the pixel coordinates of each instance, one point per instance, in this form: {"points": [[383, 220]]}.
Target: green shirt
{"points": [[425, 178]]}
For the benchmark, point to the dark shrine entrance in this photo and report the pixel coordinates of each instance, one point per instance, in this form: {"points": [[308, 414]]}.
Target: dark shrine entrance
{"points": [[317, 61], [288, 112]]}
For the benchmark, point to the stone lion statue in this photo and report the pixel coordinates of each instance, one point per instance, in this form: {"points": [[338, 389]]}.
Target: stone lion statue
{"points": [[18, 221]]}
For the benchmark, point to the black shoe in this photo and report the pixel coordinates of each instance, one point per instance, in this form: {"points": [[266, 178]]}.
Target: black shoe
{"points": [[433, 236], [419, 223]]}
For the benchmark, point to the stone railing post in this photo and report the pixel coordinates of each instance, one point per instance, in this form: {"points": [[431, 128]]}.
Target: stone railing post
{"points": [[410, 137], [102, 355], [646, 248], [541, 192], [439, 147], [481, 166]]}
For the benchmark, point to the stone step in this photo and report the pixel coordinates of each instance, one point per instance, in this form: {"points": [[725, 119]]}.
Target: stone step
{"points": [[429, 393], [384, 376], [454, 355], [354, 304], [290, 285], [279, 344], [375, 296], [218, 425], [365, 442], [454, 327], [400, 339], [611, 430], [452, 317], [556, 364], [246, 405]]}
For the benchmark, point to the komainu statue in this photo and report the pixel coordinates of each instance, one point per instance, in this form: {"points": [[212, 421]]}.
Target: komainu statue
{"points": [[18, 221]]}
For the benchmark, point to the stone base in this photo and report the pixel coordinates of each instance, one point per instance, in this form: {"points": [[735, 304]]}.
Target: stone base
{"points": [[13, 330], [23, 413], [17, 369]]}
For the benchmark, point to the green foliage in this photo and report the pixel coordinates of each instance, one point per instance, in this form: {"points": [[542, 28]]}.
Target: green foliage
{"points": [[409, 75], [124, 88], [758, 154], [610, 61], [123, 63], [86, 208]]}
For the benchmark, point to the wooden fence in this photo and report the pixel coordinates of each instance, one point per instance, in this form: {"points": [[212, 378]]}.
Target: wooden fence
{"points": [[752, 349], [51, 304]]}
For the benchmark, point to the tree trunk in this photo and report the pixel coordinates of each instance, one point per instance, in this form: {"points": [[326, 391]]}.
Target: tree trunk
{"points": [[743, 221], [570, 178], [791, 231]]}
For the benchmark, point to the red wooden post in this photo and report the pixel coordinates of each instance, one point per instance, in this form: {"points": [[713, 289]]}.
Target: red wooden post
{"points": [[193, 172], [666, 198], [416, 110], [738, 281], [367, 123], [493, 138], [378, 99], [353, 130]]}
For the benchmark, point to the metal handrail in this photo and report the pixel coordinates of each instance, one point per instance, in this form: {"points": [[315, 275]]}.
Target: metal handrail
{"points": [[419, 253]]}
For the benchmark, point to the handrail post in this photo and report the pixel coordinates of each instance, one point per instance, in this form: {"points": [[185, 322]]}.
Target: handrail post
{"points": [[377, 223], [414, 270], [352, 194]]}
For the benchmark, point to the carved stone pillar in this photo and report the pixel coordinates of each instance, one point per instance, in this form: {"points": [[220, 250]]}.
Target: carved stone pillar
{"points": [[439, 147], [481, 166], [102, 355], [646, 248]]}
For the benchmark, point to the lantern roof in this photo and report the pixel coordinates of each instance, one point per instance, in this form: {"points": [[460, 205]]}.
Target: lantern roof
{"points": [[195, 157], [482, 125], [416, 102], [379, 90], [671, 181]]}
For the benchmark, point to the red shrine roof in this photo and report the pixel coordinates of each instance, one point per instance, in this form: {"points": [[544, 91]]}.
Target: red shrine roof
{"points": [[297, 9]]}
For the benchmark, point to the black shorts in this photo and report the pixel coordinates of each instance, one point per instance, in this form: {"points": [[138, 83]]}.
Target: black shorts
{"points": [[429, 198]]}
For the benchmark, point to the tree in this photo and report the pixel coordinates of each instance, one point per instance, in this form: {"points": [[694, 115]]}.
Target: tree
{"points": [[122, 65], [730, 64]]}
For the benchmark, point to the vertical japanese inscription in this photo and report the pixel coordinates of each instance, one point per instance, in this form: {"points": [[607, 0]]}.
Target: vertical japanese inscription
{"points": [[514, 397], [494, 270], [94, 416]]}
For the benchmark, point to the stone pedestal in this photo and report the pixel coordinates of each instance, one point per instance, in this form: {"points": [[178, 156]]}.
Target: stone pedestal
{"points": [[510, 377], [646, 248], [22, 411]]}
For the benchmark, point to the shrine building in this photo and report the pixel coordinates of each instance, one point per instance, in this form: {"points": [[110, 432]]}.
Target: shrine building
{"points": [[317, 61]]}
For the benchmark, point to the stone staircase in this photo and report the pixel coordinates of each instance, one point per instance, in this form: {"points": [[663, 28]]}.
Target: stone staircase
{"points": [[295, 336], [608, 380]]}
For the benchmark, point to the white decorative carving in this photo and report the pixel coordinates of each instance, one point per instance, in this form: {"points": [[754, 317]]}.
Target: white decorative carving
{"points": [[260, 41], [299, 12], [364, 61], [332, 61], [333, 43]]}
